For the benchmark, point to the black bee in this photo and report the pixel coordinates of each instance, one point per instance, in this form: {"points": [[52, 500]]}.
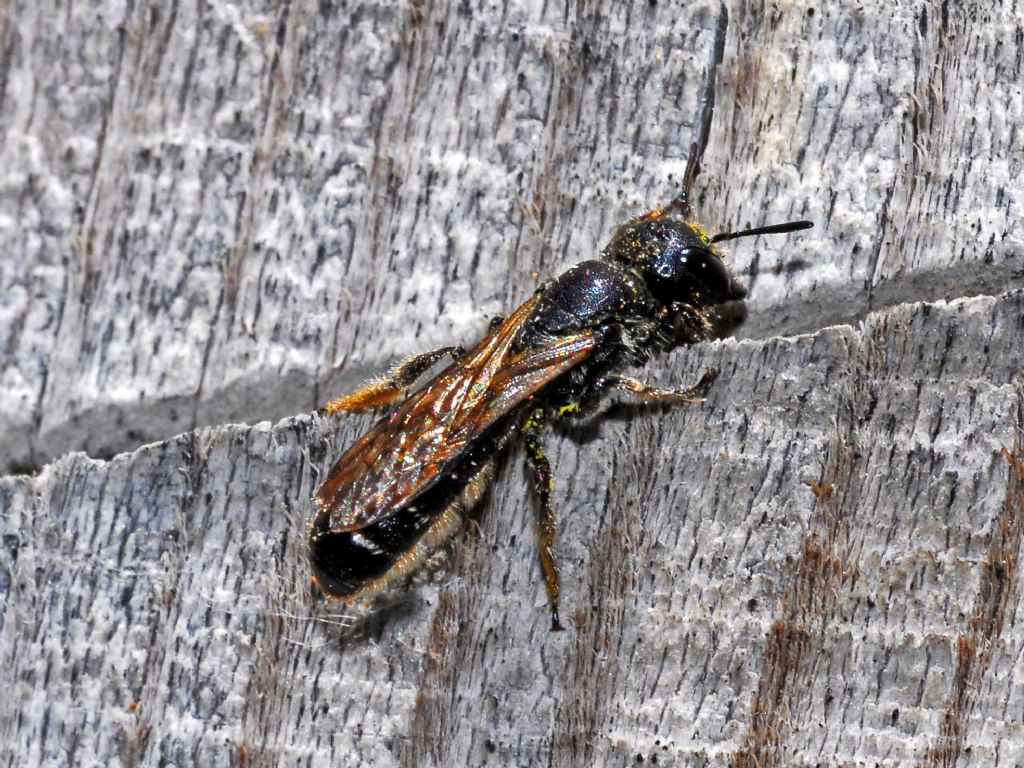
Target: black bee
{"points": [[407, 485]]}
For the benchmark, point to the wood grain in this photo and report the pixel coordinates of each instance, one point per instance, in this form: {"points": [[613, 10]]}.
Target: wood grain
{"points": [[214, 216]]}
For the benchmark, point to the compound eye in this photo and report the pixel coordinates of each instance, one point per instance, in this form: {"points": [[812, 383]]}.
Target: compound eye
{"points": [[708, 275], [710, 270]]}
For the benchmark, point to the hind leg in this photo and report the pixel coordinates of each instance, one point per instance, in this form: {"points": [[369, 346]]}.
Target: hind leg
{"points": [[542, 483], [392, 384]]}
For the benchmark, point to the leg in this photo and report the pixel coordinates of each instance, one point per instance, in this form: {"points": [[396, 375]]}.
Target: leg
{"points": [[644, 392], [546, 515], [389, 387]]}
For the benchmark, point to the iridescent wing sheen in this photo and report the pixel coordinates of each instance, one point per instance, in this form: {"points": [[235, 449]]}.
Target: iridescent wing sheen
{"points": [[407, 452]]}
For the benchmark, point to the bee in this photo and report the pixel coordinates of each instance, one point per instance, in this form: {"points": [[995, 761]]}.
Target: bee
{"points": [[408, 484]]}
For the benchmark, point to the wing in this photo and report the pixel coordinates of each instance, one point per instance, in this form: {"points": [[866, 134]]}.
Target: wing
{"points": [[410, 450]]}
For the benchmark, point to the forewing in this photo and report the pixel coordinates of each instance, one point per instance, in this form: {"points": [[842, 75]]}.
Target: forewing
{"points": [[410, 450], [524, 375]]}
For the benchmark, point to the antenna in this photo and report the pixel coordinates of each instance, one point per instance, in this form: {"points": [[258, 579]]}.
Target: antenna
{"points": [[771, 229], [702, 126], [682, 202]]}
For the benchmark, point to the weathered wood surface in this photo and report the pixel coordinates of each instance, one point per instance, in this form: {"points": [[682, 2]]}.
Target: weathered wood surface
{"points": [[215, 212], [212, 212], [719, 612]]}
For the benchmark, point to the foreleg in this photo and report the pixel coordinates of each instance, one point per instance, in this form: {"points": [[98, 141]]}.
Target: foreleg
{"points": [[646, 393]]}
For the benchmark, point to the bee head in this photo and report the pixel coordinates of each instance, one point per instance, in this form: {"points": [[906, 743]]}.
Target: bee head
{"points": [[676, 259]]}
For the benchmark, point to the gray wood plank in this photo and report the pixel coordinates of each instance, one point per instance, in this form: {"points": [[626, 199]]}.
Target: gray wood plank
{"points": [[217, 212], [213, 216], [720, 611]]}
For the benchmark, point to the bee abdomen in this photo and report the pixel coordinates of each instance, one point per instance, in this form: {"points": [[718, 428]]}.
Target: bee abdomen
{"points": [[351, 564]]}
